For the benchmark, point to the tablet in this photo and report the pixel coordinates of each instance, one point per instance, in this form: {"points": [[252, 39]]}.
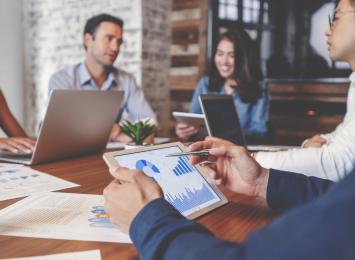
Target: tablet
{"points": [[183, 184], [192, 119]]}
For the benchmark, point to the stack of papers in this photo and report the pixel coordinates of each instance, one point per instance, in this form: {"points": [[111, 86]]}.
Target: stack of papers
{"points": [[60, 216], [19, 181]]}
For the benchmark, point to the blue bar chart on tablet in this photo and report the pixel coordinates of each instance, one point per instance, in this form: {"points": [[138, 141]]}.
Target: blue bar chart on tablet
{"points": [[182, 167], [182, 184]]}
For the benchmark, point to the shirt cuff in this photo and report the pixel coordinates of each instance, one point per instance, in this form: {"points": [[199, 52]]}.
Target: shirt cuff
{"points": [[304, 142]]}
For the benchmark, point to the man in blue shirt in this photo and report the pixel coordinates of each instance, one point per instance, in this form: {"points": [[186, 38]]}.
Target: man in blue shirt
{"points": [[102, 42]]}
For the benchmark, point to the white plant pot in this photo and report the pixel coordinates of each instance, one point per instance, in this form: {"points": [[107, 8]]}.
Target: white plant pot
{"points": [[132, 145]]}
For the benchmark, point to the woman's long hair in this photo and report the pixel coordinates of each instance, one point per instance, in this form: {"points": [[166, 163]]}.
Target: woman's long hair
{"points": [[247, 71]]}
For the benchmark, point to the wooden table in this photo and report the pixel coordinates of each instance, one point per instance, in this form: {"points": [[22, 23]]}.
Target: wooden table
{"points": [[232, 222]]}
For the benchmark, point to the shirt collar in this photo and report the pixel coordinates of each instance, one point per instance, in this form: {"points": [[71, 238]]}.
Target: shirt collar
{"points": [[85, 78], [84, 75], [352, 77]]}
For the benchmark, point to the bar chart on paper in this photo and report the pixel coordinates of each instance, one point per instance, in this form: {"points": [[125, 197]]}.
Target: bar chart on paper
{"points": [[183, 186]]}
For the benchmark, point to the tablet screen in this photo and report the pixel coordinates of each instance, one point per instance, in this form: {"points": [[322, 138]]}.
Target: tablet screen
{"points": [[182, 184]]}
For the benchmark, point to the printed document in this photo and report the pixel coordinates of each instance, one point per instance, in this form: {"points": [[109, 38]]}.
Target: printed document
{"points": [[82, 255], [19, 181], [60, 216]]}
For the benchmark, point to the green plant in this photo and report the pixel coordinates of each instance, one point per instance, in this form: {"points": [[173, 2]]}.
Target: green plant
{"points": [[139, 130]]}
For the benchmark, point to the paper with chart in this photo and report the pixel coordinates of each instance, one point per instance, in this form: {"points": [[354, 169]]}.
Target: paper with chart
{"points": [[81, 255], [183, 186], [60, 216], [19, 181]]}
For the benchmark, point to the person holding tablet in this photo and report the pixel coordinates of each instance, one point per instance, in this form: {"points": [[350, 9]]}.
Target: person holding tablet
{"points": [[159, 231], [18, 140], [235, 71]]}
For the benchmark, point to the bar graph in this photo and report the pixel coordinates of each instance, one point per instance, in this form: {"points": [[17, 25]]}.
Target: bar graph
{"points": [[190, 198], [182, 167]]}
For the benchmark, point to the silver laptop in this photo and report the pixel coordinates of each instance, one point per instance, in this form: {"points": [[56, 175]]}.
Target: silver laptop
{"points": [[222, 121], [76, 122]]}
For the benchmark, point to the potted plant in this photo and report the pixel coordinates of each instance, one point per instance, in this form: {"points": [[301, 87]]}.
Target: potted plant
{"points": [[138, 131]]}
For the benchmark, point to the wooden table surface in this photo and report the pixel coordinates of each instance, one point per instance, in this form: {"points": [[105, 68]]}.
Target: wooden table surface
{"points": [[232, 222]]}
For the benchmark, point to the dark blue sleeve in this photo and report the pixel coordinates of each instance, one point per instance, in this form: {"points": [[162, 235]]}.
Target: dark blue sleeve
{"points": [[159, 231], [323, 229], [286, 189]]}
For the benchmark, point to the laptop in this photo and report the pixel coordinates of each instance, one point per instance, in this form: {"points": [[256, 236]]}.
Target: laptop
{"points": [[222, 121], [76, 122]]}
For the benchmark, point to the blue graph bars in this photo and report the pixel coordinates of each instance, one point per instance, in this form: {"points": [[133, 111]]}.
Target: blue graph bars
{"points": [[182, 167], [190, 198]]}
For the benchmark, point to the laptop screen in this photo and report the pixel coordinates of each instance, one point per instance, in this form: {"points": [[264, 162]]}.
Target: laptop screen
{"points": [[221, 118]]}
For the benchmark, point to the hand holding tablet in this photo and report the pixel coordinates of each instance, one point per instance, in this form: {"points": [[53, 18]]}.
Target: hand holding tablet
{"points": [[183, 184], [189, 124]]}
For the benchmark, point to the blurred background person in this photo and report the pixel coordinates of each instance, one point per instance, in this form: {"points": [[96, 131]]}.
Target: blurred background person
{"points": [[235, 71]]}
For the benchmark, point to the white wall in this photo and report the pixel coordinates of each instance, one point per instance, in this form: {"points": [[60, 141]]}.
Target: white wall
{"points": [[11, 53]]}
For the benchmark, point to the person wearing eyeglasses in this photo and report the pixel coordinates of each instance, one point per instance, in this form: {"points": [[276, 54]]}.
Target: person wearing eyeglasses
{"points": [[18, 140], [331, 155], [318, 214]]}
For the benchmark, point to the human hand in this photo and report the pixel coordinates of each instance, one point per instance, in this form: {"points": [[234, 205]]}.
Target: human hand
{"points": [[233, 167], [128, 194], [315, 141], [184, 131], [17, 144], [117, 135]]}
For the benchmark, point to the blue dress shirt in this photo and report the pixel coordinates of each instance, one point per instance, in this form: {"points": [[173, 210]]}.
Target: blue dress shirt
{"points": [[78, 77], [253, 117], [319, 223]]}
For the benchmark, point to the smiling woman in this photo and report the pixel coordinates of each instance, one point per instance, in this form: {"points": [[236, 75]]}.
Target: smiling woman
{"points": [[235, 71]]}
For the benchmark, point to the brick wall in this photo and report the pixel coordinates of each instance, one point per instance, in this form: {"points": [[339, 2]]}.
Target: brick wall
{"points": [[156, 58]]}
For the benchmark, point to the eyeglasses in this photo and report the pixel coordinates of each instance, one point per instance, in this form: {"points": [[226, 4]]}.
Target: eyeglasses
{"points": [[336, 15]]}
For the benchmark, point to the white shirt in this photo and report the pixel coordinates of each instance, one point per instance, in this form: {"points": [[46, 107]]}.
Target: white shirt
{"points": [[332, 161]]}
